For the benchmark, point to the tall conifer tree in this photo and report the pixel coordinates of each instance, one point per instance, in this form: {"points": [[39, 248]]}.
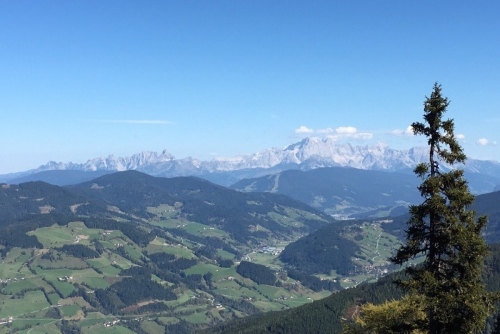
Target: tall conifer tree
{"points": [[446, 232]]}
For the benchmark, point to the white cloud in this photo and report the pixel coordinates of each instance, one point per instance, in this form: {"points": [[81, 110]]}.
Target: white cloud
{"points": [[346, 130], [325, 131], [486, 142], [460, 136], [408, 131], [303, 129], [483, 141], [340, 132]]}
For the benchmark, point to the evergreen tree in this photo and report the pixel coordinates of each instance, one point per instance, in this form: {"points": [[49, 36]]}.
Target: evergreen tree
{"points": [[446, 232], [403, 316]]}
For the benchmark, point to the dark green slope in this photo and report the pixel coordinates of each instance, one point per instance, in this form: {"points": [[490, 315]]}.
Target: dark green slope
{"points": [[339, 190], [20, 201], [327, 248], [489, 204], [322, 251], [485, 204], [322, 316], [327, 315], [132, 193], [204, 202], [31, 205], [131, 239]]}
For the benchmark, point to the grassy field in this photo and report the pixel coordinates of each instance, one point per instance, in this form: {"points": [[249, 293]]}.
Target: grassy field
{"points": [[111, 271], [11, 265], [18, 286], [27, 273], [204, 230], [152, 327], [62, 261], [53, 298], [32, 301], [70, 310], [178, 251], [196, 318], [225, 254], [99, 262], [98, 329], [93, 318], [132, 252], [170, 222], [232, 290], [54, 236], [222, 273], [39, 326], [376, 245], [202, 268], [52, 274], [95, 282], [64, 289]]}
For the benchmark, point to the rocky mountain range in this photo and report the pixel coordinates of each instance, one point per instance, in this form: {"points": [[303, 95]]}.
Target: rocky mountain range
{"points": [[308, 154], [311, 152]]}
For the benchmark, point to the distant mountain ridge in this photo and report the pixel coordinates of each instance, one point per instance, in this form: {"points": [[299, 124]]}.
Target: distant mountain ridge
{"points": [[308, 154], [311, 152]]}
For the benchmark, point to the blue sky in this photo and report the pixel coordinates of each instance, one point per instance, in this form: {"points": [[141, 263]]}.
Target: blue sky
{"points": [[82, 79]]}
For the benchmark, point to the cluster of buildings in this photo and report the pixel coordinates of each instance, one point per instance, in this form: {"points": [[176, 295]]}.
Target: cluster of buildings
{"points": [[111, 323], [7, 280], [271, 250]]}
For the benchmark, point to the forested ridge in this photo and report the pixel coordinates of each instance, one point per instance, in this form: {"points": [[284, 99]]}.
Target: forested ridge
{"points": [[327, 315], [322, 251], [171, 257], [132, 244]]}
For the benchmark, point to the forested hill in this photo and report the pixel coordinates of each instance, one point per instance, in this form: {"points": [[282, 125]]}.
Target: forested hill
{"points": [[139, 190], [247, 217], [206, 203], [323, 251], [485, 204], [133, 246], [327, 315], [330, 248], [339, 190], [350, 191]]}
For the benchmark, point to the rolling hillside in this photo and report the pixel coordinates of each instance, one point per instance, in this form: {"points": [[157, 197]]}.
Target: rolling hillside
{"points": [[239, 214], [362, 247], [165, 252], [180, 253], [328, 314], [340, 191]]}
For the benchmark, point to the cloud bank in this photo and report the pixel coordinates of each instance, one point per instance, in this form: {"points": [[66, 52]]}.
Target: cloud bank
{"points": [[486, 142], [406, 132], [337, 133]]}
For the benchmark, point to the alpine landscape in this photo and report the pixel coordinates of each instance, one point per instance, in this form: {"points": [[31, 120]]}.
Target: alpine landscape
{"points": [[249, 167], [154, 254]]}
